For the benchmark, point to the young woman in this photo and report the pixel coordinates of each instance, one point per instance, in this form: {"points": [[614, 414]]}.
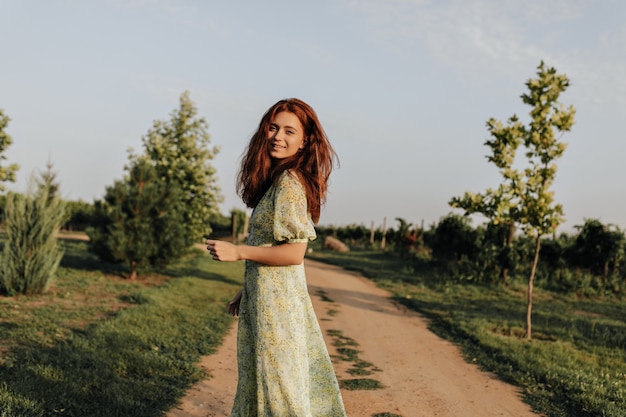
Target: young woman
{"points": [[283, 365]]}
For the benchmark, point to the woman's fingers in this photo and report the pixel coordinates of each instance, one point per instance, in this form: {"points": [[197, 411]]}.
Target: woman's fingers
{"points": [[222, 251], [211, 246]]}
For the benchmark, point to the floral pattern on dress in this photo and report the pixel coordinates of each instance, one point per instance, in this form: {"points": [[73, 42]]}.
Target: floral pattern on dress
{"points": [[283, 364]]}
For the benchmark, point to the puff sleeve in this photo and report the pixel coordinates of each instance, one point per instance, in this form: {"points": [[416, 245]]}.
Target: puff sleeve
{"points": [[292, 221]]}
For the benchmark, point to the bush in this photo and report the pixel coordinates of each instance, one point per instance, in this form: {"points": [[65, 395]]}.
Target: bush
{"points": [[140, 222], [31, 254]]}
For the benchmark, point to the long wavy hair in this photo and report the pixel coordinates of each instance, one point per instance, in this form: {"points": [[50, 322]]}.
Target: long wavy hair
{"points": [[312, 164]]}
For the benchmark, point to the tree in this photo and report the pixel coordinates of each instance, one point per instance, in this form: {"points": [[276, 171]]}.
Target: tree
{"points": [[524, 196], [454, 240], [139, 221], [48, 180], [179, 150], [6, 173], [405, 238], [599, 247], [31, 254], [79, 215]]}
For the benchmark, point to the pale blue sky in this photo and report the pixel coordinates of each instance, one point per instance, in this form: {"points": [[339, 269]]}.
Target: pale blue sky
{"points": [[403, 88]]}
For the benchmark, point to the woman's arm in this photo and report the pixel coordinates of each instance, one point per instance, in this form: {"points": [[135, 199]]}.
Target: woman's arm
{"points": [[279, 255]]}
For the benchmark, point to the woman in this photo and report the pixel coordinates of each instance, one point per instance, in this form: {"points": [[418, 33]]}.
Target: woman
{"points": [[284, 367]]}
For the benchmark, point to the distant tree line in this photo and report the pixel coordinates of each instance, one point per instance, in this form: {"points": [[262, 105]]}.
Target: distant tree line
{"points": [[589, 262]]}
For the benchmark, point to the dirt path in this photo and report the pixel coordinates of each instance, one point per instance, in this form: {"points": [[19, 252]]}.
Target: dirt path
{"points": [[423, 375]]}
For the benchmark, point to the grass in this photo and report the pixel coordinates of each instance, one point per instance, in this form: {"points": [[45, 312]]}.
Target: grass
{"points": [[575, 366], [98, 345], [360, 384], [347, 352], [324, 296]]}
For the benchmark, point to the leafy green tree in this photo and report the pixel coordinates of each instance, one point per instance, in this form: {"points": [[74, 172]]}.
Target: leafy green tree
{"points": [[405, 238], [495, 255], [454, 240], [7, 173], [79, 215], [31, 255], [524, 197], [599, 247], [139, 221], [553, 254], [179, 150]]}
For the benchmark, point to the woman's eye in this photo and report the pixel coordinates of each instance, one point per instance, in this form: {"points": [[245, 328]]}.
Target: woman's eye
{"points": [[272, 128]]}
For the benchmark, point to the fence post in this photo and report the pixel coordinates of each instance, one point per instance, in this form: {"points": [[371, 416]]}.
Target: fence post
{"points": [[383, 242]]}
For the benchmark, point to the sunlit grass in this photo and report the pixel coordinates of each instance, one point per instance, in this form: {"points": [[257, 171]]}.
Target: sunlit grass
{"points": [[574, 366]]}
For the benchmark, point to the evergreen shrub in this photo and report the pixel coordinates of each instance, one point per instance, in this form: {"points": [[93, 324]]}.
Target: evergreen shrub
{"points": [[31, 253]]}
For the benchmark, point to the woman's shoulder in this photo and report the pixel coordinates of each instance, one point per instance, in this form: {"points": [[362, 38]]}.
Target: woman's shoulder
{"points": [[290, 178]]}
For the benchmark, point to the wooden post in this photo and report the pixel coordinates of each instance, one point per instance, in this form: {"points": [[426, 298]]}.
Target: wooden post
{"points": [[383, 242], [246, 224], [234, 222], [372, 234]]}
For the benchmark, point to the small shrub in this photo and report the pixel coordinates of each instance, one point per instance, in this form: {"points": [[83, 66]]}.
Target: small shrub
{"points": [[31, 254]]}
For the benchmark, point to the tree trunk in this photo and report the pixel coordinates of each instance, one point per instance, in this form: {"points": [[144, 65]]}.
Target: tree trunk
{"points": [[531, 279], [504, 273], [133, 271]]}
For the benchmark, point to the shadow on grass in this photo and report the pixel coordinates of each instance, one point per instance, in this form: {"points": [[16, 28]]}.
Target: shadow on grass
{"points": [[190, 271], [551, 320], [76, 255], [74, 379], [136, 364]]}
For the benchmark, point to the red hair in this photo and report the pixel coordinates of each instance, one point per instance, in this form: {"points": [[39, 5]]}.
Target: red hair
{"points": [[313, 164]]}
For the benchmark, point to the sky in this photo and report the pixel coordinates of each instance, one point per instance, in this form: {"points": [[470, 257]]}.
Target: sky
{"points": [[403, 88]]}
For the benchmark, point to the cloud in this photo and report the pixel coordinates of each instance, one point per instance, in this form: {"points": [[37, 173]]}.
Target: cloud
{"points": [[505, 38], [479, 33]]}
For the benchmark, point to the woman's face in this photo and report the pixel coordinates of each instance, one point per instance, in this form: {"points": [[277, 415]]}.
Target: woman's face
{"points": [[286, 135]]}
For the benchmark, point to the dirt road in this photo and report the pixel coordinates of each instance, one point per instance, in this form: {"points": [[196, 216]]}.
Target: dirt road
{"points": [[423, 375]]}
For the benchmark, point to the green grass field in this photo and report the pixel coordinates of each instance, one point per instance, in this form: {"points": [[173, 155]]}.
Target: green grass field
{"points": [[99, 345], [575, 366]]}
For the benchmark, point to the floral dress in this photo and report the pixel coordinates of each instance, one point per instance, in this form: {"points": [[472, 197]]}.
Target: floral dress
{"points": [[283, 365]]}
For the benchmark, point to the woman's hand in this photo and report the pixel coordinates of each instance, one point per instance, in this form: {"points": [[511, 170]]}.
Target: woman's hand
{"points": [[222, 251], [233, 306]]}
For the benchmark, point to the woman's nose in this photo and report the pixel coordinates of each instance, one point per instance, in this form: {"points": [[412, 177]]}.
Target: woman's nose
{"points": [[277, 135]]}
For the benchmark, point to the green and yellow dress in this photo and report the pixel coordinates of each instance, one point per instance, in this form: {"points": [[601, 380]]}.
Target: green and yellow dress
{"points": [[283, 364]]}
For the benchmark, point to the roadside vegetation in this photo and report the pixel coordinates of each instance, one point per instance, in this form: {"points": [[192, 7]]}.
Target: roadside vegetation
{"points": [[96, 344], [575, 366]]}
